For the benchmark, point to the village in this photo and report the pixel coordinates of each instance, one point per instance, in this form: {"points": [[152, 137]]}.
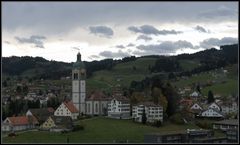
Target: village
{"points": [[81, 105]]}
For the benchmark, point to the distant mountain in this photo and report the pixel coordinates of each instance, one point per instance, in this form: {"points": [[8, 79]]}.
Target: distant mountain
{"points": [[38, 67]]}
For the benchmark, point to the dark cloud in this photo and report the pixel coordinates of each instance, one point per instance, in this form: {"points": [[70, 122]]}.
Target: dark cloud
{"points": [[109, 54], [34, 39], [212, 42], [144, 37], [201, 29], [130, 45], [148, 29], [37, 15], [120, 46], [221, 11], [102, 31], [166, 47]]}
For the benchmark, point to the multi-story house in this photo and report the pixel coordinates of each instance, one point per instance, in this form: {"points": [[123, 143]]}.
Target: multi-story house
{"points": [[153, 112]]}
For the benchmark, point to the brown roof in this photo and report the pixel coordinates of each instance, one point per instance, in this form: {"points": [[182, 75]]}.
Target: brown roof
{"points": [[22, 120], [98, 96], [70, 106], [50, 109]]}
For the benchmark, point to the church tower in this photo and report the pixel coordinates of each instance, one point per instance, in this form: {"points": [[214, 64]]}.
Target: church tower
{"points": [[79, 84]]}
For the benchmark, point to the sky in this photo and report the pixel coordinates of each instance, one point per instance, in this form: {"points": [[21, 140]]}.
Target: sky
{"points": [[100, 30]]}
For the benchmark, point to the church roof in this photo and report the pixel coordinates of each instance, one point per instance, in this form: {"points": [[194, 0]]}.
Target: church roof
{"points": [[97, 96]]}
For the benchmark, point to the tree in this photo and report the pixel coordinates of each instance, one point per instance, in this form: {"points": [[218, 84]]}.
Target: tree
{"points": [[25, 90], [156, 93], [172, 99], [19, 90], [198, 88], [5, 83], [144, 117], [210, 97]]}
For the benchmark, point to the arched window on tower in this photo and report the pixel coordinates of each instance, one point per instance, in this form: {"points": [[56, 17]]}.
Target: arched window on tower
{"points": [[75, 76]]}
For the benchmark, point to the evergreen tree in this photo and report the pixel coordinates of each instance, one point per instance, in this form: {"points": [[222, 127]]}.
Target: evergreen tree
{"points": [[210, 97], [144, 117]]}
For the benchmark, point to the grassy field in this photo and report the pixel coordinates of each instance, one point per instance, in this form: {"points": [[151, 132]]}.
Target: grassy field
{"points": [[124, 72], [98, 130], [188, 65]]}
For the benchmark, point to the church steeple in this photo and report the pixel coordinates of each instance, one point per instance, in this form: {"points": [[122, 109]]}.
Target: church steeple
{"points": [[79, 57]]}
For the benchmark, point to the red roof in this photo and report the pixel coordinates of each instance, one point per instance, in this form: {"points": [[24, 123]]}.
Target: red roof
{"points": [[71, 106], [22, 120]]}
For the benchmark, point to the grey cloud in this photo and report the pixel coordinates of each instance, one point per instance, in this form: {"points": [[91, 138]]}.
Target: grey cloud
{"points": [[7, 42], [38, 15], [221, 11], [212, 42], [130, 45], [148, 29], [102, 31], [34, 39], [201, 29], [120, 46], [94, 57], [166, 47], [109, 54], [144, 37]]}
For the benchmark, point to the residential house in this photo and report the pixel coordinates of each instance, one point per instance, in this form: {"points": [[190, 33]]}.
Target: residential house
{"points": [[153, 112], [67, 108], [196, 106], [57, 124], [97, 104], [41, 114], [226, 124], [195, 95], [211, 113], [214, 105], [185, 103], [229, 107], [19, 123], [119, 108]]}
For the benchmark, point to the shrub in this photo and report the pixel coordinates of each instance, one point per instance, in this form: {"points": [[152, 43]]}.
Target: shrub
{"points": [[78, 127], [204, 124], [157, 123], [176, 118]]}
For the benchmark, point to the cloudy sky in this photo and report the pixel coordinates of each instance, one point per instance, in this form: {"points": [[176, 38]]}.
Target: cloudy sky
{"points": [[57, 30]]}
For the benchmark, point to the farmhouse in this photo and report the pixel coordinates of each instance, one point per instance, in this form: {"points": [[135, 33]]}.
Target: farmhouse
{"points": [[153, 112], [41, 114], [57, 124], [212, 113], [67, 108], [19, 123]]}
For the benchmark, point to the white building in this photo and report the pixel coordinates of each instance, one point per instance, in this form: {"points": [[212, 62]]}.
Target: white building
{"points": [[226, 124], [215, 106], [119, 108], [67, 108], [19, 123], [153, 112], [79, 85], [230, 107], [196, 106], [194, 94], [211, 112], [97, 104]]}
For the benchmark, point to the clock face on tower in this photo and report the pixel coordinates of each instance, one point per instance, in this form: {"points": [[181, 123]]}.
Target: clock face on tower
{"points": [[82, 72]]}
